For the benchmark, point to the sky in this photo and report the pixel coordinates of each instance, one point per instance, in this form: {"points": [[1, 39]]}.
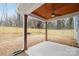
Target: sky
{"points": [[11, 9]]}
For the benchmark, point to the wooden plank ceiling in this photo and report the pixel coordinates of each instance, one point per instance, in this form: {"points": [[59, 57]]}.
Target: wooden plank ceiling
{"points": [[59, 9]]}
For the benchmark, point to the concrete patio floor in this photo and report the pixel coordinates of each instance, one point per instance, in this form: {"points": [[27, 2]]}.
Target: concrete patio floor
{"points": [[48, 48]]}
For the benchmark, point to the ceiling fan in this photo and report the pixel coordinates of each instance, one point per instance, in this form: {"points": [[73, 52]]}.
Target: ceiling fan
{"points": [[54, 14]]}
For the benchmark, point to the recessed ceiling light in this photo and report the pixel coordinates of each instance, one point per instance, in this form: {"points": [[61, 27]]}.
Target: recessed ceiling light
{"points": [[53, 15]]}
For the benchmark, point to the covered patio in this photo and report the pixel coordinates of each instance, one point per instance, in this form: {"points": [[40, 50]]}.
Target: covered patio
{"points": [[48, 12]]}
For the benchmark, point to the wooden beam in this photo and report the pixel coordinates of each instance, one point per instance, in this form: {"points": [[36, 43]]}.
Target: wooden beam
{"points": [[25, 32], [46, 37]]}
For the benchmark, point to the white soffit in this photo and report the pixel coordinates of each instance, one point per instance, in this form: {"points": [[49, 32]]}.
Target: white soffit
{"points": [[37, 17], [27, 8]]}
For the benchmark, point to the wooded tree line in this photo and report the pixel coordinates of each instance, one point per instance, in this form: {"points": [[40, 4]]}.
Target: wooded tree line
{"points": [[12, 21], [57, 24], [17, 21]]}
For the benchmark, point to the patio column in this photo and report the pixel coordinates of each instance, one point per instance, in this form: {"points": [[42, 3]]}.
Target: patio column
{"points": [[76, 29], [46, 37], [25, 32]]}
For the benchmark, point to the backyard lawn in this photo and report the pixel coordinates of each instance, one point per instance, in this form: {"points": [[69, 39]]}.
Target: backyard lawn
{"points": [[15, 31], [64, 36], [11, 38]]}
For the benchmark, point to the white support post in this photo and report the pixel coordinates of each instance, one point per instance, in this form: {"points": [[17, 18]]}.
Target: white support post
{"points": [[76, 29]]}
